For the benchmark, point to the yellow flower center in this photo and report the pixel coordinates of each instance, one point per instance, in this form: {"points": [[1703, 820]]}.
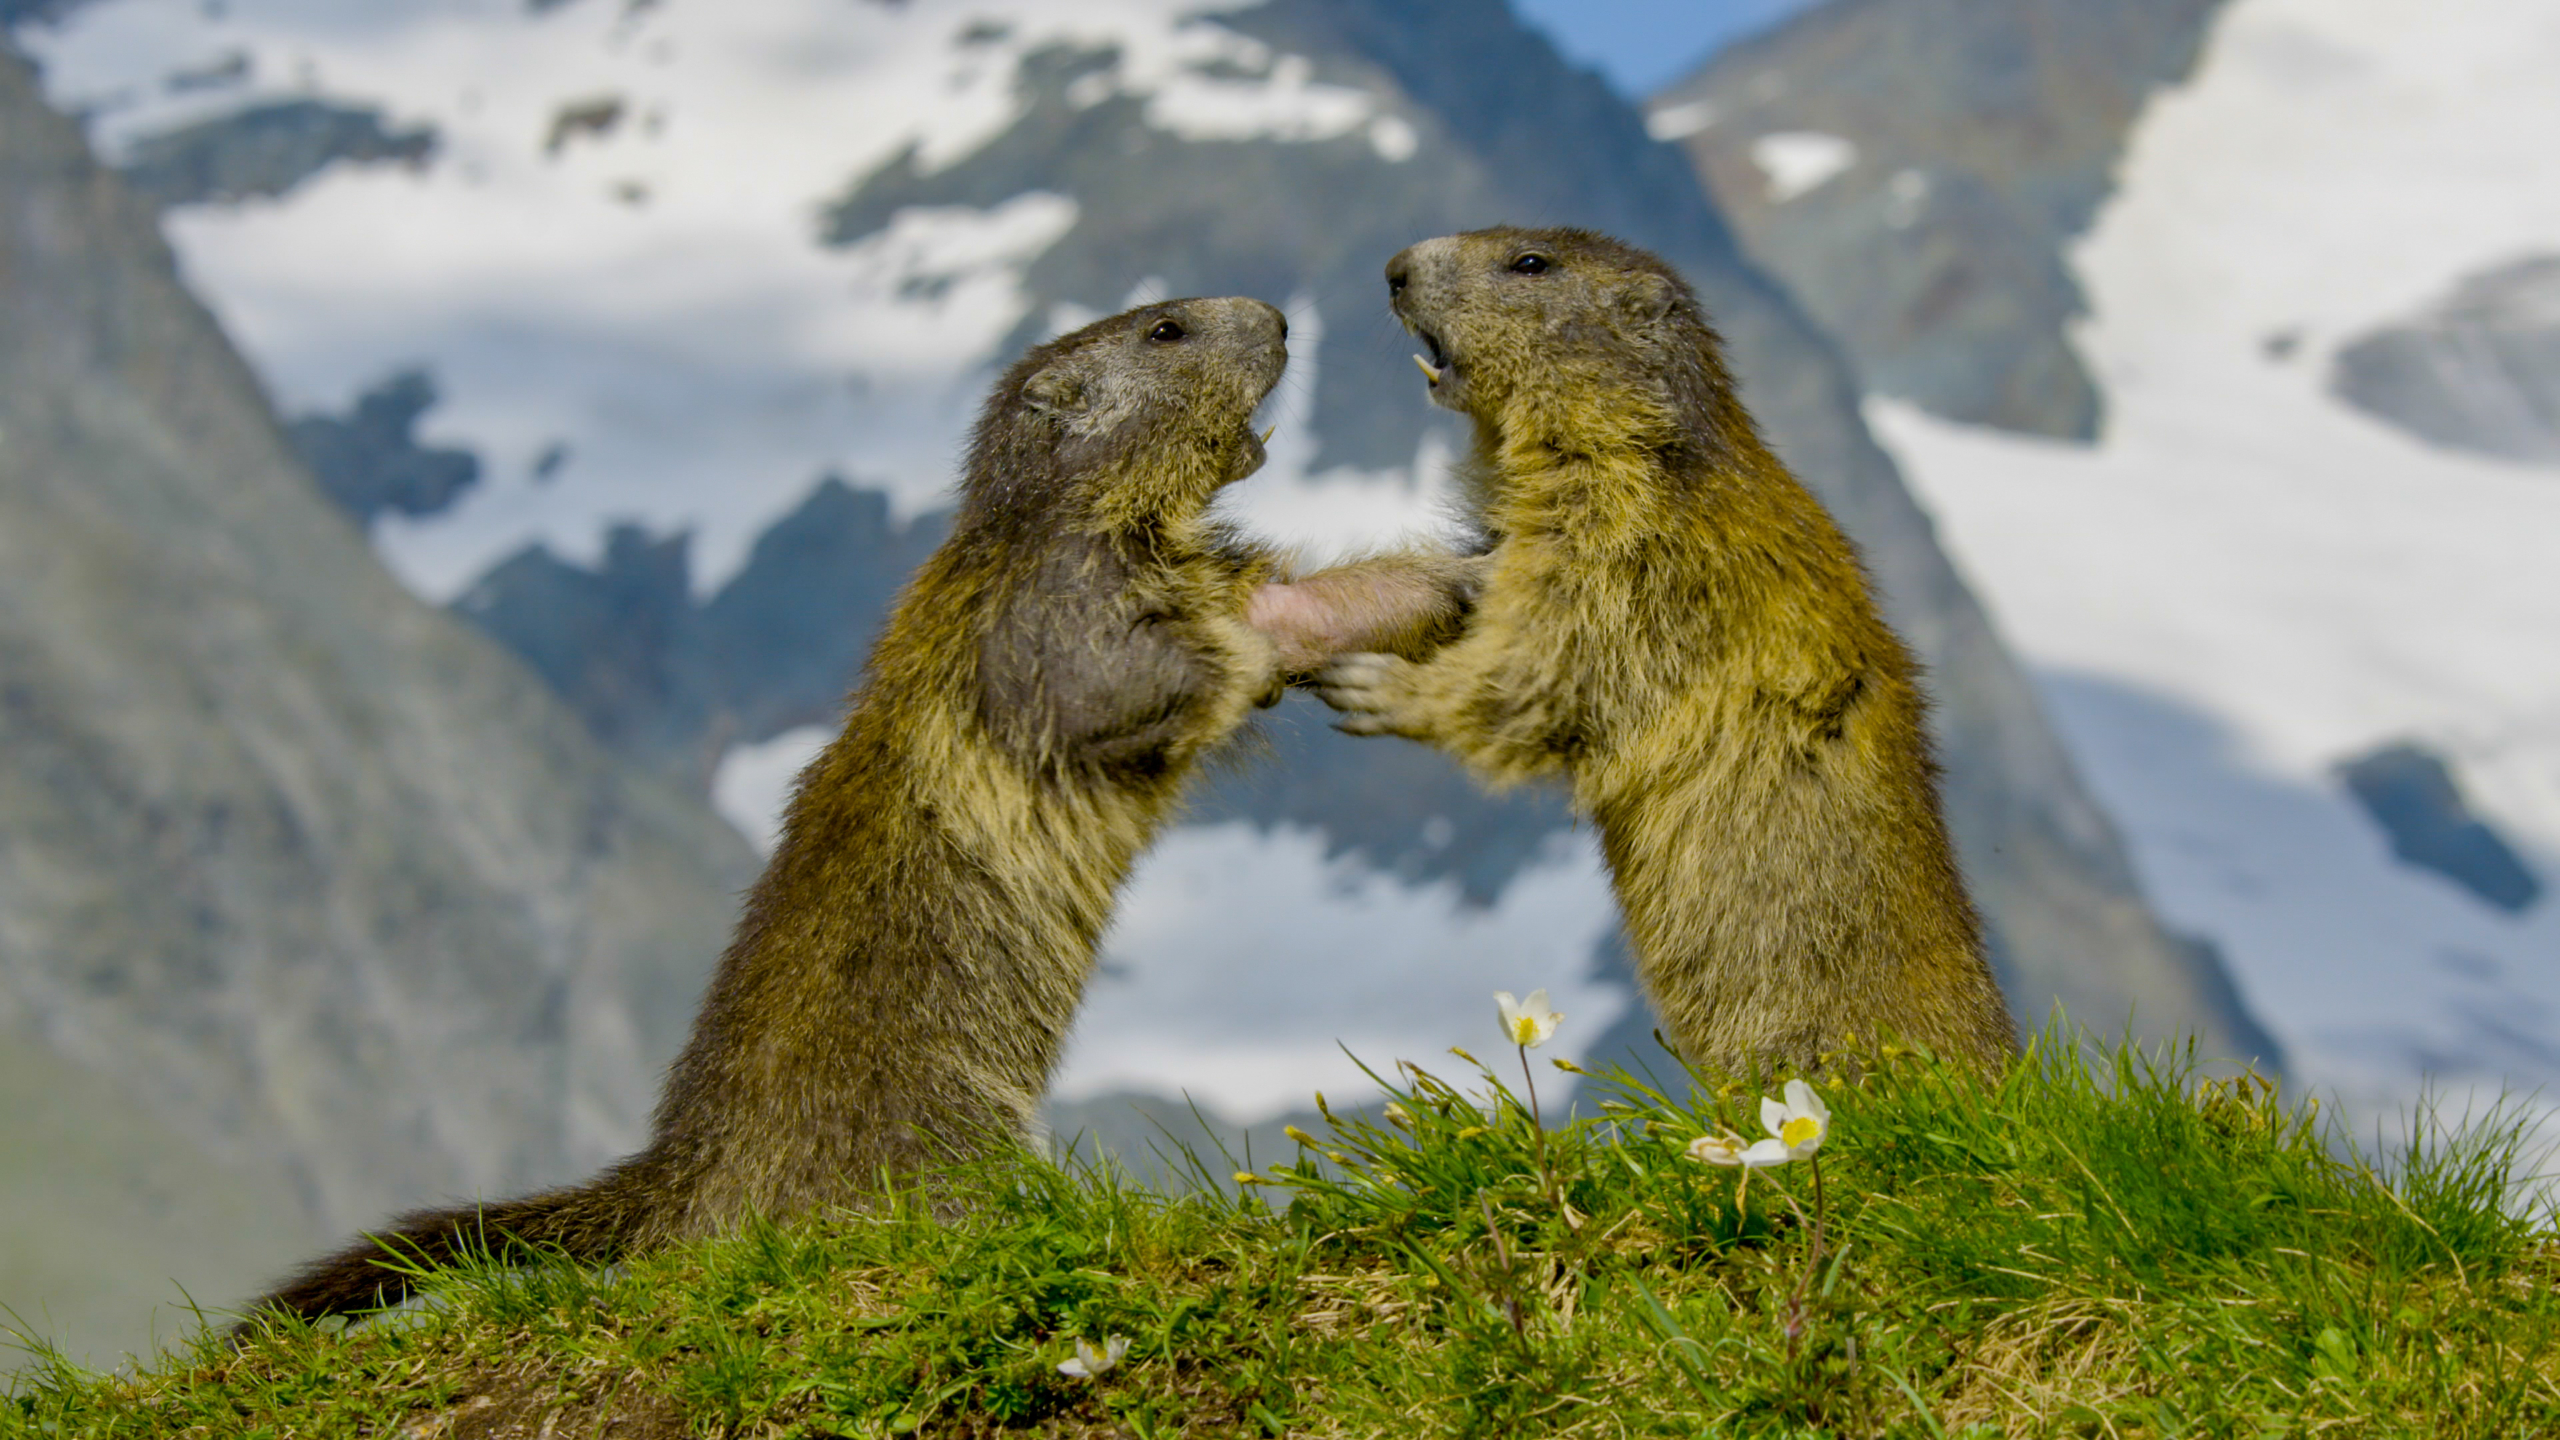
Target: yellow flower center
{"points": [[1523, 1030], [1800, 1131]]}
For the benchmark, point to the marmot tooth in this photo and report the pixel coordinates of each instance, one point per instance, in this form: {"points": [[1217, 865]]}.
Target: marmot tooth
{"points": [[1434, 371]]}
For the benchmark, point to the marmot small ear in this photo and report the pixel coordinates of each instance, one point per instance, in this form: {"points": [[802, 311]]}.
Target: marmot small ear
{"points": [[1054, 390], [1646, 297]]}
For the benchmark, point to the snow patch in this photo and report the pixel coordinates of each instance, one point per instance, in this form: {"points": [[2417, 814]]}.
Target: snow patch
{"points": [[1906, 197], [1341, 513], [1394, 138], [1321, 518], [753, 783], [1679, 122], [1196, 103], [1799, 161], [963, 265]]}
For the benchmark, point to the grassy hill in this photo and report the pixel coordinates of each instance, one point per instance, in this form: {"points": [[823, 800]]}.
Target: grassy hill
{"points": [[2104, 1243]]}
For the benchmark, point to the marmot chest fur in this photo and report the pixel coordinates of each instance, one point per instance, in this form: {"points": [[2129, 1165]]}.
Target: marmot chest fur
{"points": [[1673, 622], [903, 978]]}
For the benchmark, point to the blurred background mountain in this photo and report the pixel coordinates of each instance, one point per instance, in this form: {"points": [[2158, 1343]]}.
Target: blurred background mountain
{"points": [[315, 901], [637, 340]]}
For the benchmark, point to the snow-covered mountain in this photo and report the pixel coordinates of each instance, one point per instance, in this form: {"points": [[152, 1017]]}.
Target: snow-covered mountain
{"points": [[2297, 606], [585, 303]]}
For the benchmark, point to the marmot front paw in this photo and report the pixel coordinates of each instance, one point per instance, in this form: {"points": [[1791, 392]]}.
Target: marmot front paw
{"points": [[1374, 692]]}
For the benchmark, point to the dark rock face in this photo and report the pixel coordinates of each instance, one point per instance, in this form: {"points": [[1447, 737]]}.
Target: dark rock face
{"points": [[615, 641], [783, 640], [266, 149], [2409, 792], [370, 461], [1913, 169], [674, 683], [292, 865], [42, 12], [2479, 372]]}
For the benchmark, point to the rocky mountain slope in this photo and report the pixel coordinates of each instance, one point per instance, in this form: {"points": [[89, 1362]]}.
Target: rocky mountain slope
{"points": [[2477, 370], [1914, 171], [313, 903]]}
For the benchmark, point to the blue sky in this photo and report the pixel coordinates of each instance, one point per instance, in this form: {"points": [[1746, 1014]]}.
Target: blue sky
{"points": [[1641, 45]]}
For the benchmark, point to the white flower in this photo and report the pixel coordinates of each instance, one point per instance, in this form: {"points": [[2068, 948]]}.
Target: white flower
{"points": [[1796, 1127], [1729, 1150], [1090, 1362], [1526, 1023], [1799, 1122]]}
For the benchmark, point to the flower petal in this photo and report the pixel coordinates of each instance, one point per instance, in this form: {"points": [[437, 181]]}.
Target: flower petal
{"points": [[1090, 1362], [1805, 1100], [1773, 1115], [1767, 1152], [1715, 1150], [1526, 1023]]}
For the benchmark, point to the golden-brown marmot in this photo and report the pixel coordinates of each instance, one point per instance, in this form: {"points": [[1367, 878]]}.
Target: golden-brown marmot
{"points": [[1671, 621]]}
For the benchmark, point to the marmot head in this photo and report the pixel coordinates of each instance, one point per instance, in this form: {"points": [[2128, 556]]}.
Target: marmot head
{"points": [[1139, 417], [1520, 325]]}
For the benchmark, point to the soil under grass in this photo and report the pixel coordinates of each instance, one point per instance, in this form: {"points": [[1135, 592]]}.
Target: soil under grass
{"points": [[2101, 1244]]}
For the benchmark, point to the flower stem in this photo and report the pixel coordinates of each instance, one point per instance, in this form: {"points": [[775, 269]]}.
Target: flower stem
{"points": [[1795, 1325], [1537, 1125], [1821, 1212]]}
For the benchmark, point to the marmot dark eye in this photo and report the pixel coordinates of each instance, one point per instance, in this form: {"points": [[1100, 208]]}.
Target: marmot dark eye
{"points": [[1165, 331], [1531, 265]]}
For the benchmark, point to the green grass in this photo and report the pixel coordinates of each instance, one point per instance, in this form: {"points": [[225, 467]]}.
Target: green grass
{"points": [[2107, 1246]]}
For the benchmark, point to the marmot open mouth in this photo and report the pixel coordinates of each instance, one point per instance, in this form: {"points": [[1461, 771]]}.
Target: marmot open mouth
{"points": [[1436, 364]]}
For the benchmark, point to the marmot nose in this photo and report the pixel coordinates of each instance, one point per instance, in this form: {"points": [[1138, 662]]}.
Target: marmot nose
{"points": [[1399, 271], [1263, 310]]}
